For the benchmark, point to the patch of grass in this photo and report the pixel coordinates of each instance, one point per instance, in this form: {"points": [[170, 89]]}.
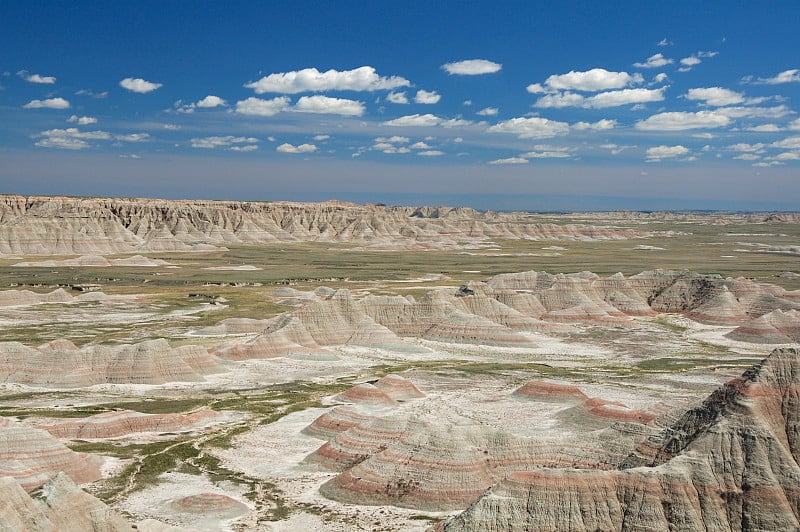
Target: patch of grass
{"points": [[669, 325]]}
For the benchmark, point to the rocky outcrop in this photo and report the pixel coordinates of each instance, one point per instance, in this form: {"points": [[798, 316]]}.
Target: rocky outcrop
{"points": [[776, 327], [124, 422], [32, 456], [61, 364], [729, 464], [103, 226], [96, 261], [58, 506]]}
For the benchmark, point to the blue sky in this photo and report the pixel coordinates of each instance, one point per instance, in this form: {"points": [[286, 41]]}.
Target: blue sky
{"points": [[507, 105]]}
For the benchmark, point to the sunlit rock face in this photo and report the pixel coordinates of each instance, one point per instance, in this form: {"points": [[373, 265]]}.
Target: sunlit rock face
{"points": [[731, 463], [61, 364], [103, 226]]}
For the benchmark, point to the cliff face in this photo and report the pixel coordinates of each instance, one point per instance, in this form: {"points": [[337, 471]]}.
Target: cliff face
{"points": [[79, 226], [729, 464]]}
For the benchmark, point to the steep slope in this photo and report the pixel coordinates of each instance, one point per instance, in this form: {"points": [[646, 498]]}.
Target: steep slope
{"points": [[102, 226], [729, 464]]}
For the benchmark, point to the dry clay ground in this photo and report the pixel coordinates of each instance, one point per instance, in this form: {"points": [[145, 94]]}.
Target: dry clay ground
{"points": [[255, 454]]}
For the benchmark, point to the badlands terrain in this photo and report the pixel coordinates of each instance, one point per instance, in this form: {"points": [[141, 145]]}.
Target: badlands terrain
{"points": [[179, 365]]}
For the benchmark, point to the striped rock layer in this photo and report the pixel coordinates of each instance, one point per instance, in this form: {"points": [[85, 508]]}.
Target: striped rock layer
{"points": [[61, 364], [102, 226], [124, 422], [729, 464]]}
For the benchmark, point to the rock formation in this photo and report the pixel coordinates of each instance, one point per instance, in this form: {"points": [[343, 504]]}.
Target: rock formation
{"points": [[104, 226], [61, 364], [32, 456], [125, 422], [729, 464], [96, 261]]}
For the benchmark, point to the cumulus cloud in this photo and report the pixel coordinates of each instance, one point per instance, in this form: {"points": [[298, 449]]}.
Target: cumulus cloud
{"points": [[654, 61], [764, 128], [321, 137], [326, 105], [777, 111], [624, 97], [545, 151], [425, 120], [302, 148], [789, 143], [690, 61], [50, 103], [69, 138], [600, 125], [133, 137], [82, 120], [716, 96], [695, 59], [427, 97], [559, 100], [258, 107], [656, 153], [430, 153], [787, 76], [593, 80], [660, 78], [139, 85], [510, 160], [679, 121], [747, 148], [228, 141], [664, 42], [211, 101], [794, 125], [397, 97], [472, 67], [364, 78], [36, 78], [394, 139], [488, 111], [531, 128], [420, 146]]}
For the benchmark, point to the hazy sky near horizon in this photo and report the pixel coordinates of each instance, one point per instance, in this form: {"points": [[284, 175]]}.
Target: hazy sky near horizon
{"points": [[523, 105]]}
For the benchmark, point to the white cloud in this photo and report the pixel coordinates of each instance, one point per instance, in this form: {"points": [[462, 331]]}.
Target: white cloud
{"points": [[531, 128], [716, 96], [228, 141], [764, 128], [624, 97], [654, 61], [679, 121], [789, 143], [467, 102], [430, 153], [787, 156], [488, 111], [510, 160], [397, 97], [302, 148], [427, 97], [748, 157], [472, 67], [321, 137], [82, 120], [245, 148], [258, 107], [600, 125], [36, 78], [326, 105], [139, 85], [548, 152], [559, 100], [593, 80], [787, 76], [50, 103], [656, 153], [394, 139], [92, 94], [664, 42], [778, 111], [415, 120], [364, 78], [660, 78], [133, 137], [794, 125], [211, 101], [420, 146], [70, 138], [747, 148], [691, 61]]}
